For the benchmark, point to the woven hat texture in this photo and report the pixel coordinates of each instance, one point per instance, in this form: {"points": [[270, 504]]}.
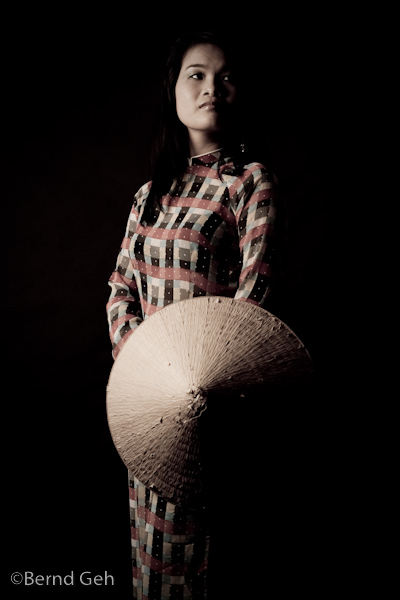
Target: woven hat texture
{"points": [[177, 361]]}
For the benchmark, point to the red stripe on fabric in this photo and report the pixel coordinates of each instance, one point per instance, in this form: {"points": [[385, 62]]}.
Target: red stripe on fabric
{"points": [[116, 277], [256, 197], [164, 567], [241, 179], [152, 519], [111, 303], [257, 267], [173, 274], [186, 527], [132, 493], [259, 197], [135, 533], [134, 210], [215, 206], [147, 308], [137, 573], [255, 232], [121, 343], [121, 321], [115, 300], [187, 234], [188, 201], [252, 200], [126, 317], [237, 184], [167, 568], [126, 242]]}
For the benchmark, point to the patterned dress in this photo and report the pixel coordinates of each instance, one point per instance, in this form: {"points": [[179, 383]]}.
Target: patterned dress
{"points": [[213, 236]]}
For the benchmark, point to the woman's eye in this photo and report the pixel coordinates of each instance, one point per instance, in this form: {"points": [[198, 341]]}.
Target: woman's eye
{"points": [[197, 76]]}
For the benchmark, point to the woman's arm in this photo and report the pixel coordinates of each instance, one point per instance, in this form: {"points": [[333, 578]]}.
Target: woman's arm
{"points": [[124, 311], [256, 217]]}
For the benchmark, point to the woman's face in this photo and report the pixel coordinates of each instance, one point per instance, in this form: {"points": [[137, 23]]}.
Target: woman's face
{"points": [[205, 93]]}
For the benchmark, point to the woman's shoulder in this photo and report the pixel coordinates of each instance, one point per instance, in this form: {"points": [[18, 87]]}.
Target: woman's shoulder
{"points": [[142, 194], [251, 172], [257, 168]]}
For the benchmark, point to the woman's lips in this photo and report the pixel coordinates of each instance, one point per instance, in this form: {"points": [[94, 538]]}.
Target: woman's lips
{"points": [[210, 105]]}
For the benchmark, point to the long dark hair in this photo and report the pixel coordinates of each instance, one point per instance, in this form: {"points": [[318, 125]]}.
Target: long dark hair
{"points": [[171, 147]]}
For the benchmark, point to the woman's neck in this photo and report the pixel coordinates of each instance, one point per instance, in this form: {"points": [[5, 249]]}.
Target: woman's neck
{"points": [[213, 151], [202, 144]]}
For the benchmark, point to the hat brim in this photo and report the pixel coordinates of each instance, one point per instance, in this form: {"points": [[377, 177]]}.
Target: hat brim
{"points": [[178, 361]]}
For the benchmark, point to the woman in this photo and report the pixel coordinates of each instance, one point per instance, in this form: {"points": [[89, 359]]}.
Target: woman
{"points": [[204, 225]]}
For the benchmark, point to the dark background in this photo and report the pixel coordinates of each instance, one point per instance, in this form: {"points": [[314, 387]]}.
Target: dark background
{"points": [[81, 101]]}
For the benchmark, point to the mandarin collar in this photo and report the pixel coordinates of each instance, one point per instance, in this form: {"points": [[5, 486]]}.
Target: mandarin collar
{"points": [[207, 159]]}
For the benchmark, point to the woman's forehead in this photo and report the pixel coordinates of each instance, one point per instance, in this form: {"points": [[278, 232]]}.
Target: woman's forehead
{"points": [[204, 54]]}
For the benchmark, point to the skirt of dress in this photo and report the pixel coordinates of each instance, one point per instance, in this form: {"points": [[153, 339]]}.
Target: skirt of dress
{"points": [[170, 547]]}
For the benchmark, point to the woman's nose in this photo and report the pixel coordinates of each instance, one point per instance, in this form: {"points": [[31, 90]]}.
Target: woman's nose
{"points": [[212, 88]]}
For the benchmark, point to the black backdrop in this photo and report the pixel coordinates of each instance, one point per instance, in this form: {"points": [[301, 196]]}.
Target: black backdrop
{"points": [[81, 101]]}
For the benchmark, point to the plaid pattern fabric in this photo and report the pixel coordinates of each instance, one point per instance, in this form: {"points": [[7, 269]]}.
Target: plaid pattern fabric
{"points": [[213, 237], [170, 547]]}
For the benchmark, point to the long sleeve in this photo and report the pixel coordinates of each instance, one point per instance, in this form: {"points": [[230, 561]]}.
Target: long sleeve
{"points": [[255, 218], [215, 236], [124, 312]]}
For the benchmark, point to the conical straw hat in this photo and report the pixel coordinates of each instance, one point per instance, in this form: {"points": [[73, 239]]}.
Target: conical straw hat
{"points": [[180, 358]]}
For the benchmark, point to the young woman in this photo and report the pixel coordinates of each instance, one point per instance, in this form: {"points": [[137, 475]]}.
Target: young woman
{"points": [[204, 225]]}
